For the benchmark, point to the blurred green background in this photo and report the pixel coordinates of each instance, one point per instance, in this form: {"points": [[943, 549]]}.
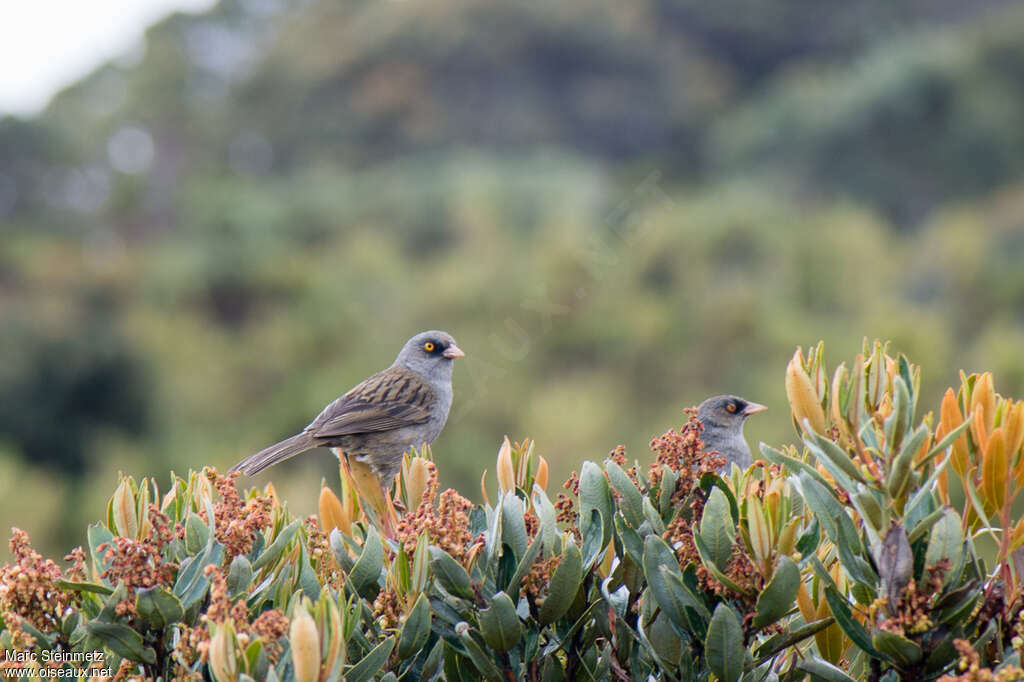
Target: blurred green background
{"points": [[618, 209]]}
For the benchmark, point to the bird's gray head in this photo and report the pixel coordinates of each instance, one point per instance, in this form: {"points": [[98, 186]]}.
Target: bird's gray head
{"points": [[723, 417], [726, 412], [430, 354]]}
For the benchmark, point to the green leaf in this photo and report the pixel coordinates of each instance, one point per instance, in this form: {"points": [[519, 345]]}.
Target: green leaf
{"points": [[98, 535], [834, 459], [849, 549], [500, 624], [449, 573], [821, 669], [853, 629], [122, 640], [239, 576], [705, 558], [825, 507], [307, 581], [793, 465], [371, 664], [594, 494], [898, 422], [667, 491], [365, 575], [779, 594], [946, 541], [525, 564], [416, 630], [653, 518], [196, 534], [565, 582], [901, 650], [513, 525], [631, 540], [480, 660], [492, 535], [661, 568], [94, 588], [665, 640], [723, 645], [271, 553], [109, 611], [42, 640], [717, 529], [776, 643], [158, 606], [548, 523], [711, 480], [631, 505], [592, 547], [192, 583], [435, 658]]}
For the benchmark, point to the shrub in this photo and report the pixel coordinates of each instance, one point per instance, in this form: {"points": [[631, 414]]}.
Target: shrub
{"points": [[854, 554]]}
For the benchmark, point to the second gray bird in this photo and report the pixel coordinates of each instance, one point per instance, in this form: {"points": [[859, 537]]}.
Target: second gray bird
{"points": [[723, 417], [378, 420]]}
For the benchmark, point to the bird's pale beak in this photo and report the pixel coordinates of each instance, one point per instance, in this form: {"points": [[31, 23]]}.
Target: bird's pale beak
{"points": [[753, 408], [452, 352]]}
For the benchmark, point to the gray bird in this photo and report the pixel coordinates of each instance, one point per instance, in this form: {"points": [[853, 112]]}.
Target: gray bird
{"points": [[723, 417], [377, 421]]}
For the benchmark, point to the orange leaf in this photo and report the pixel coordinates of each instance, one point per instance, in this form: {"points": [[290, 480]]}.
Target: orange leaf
{"points": [[950, 420], [803, 601], [332, 515], [803, 400], [995, 469], [979, 431], [983, 400], [541, 478], [506, 471], [1013, 423], [483, 487], [1017, 536]]}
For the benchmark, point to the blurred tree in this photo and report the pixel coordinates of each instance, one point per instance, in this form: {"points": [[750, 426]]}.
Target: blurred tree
{"points": [[60, 387]]}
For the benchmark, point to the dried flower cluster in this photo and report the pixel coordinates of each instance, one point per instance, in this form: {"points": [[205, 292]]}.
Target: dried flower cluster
{"points": [[683, 452], [446, 523], [537, 580], [320, 556], [139, 563], [971, 670], [618, 455], [27, 589], [912, 615], [194, 642], [387, 608], [237, 521], [565, 508]]}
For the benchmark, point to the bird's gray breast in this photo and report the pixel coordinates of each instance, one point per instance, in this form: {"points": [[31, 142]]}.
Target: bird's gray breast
{"points": [[439, 415], [729, 442]]}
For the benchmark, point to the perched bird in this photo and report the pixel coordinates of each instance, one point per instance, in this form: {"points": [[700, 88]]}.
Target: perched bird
{"points": [[377, 421], [723, 417]]}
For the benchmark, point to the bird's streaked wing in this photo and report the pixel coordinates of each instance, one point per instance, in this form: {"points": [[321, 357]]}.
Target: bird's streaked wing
{"points": [[392, 399]]}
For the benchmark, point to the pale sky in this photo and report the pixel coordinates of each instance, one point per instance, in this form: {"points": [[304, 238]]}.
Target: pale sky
{"points": [[48, 44]]}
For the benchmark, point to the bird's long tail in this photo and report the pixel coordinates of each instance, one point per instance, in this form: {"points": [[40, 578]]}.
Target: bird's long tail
{"points": [[278, 452]]}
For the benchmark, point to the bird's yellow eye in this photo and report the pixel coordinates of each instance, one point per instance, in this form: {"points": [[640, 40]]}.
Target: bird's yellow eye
{"points": [[429, 346], [731, 407]]}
